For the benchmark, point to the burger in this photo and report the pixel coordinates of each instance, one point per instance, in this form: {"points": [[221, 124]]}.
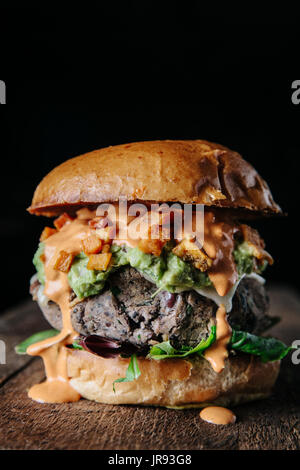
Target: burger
{"points": [[165, 317]]}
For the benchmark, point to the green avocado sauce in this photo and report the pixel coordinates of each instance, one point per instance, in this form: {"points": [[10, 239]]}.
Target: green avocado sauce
{"points": [[167, 271]]}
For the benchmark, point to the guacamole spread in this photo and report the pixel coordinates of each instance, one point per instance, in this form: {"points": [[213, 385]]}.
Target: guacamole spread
{"points": [[167, 271]]}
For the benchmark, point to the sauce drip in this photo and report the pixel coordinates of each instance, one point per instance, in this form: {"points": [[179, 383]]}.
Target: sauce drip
{"points": [[56, 388], [217, 353], [217, 415], [219, 245]]}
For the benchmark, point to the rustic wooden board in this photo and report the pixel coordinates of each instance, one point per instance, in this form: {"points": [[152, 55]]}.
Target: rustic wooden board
{"points": [[270, 424], [15, 325]]}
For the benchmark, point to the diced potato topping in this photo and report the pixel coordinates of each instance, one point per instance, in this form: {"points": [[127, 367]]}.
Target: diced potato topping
{"points": [[99, 262], [189, 251], [64, 261], [92, 245], [151, 246], [158, 234], [46, 233], [62, 220], [251, 236], [105, 248]]}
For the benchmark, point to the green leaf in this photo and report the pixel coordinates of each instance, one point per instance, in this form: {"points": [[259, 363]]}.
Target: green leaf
{"points": [[166, 351], [76, 345], [162, 349], [133, 372], [36, 338], [269, 349]]}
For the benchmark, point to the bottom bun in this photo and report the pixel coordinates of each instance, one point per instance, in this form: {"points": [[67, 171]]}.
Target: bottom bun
{"points": [[171, 382]]}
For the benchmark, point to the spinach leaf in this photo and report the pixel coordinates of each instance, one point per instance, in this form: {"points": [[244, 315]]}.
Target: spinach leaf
{"points": [[166, 351], [133, 372], [162, 349], [36, 338], [269, 349], [77, 345]]}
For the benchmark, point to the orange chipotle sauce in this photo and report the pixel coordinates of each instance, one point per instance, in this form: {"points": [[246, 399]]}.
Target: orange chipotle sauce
{"points": [[217, 352], [56, 388], [217, 415]]}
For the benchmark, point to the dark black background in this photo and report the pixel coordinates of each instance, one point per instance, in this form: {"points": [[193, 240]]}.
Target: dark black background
{"points": [[80, 79]]}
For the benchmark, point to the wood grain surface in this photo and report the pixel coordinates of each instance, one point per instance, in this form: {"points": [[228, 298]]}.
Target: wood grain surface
{"points": [[269, 424]]}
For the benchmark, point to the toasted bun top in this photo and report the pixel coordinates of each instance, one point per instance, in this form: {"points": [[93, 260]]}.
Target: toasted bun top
{"points": [[185, 171]]}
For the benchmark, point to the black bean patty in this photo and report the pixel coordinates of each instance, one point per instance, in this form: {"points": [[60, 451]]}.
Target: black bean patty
{"points": [[125, 311]]}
